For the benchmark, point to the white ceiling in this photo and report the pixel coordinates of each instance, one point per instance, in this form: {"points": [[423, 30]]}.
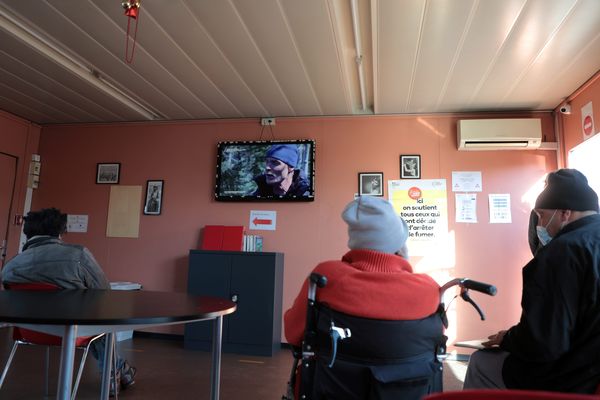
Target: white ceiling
{"points": [[198, 59]]}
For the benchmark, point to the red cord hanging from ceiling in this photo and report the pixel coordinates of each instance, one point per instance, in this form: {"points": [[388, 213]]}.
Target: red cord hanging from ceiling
{"points": [[132, 11]]}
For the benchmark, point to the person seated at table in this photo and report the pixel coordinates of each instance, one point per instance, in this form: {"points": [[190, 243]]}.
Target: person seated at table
{"points": [[46, 258]]}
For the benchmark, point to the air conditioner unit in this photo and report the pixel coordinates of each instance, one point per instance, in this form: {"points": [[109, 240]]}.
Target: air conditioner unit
{"points": [[499, 134]]}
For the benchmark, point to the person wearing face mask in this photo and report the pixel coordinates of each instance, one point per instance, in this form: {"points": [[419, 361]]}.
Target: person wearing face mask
{"points": [[556, 344]]}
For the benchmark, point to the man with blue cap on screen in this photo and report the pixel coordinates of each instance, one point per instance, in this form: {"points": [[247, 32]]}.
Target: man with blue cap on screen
{"points": [[281, 177]]}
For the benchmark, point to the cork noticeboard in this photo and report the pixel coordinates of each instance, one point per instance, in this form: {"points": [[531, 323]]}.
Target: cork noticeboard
{"points": [[124, 207]]}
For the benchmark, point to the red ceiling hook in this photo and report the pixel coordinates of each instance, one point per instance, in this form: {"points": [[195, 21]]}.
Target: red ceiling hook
{"points": [[132, 11]]}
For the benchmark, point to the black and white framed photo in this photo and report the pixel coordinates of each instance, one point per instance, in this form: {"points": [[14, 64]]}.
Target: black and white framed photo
{"points": [[370, 183], [154, 192], [108, 173], [410, 166]]}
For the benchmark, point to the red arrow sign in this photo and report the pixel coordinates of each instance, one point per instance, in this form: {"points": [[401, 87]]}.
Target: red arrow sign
{"points": [[257, 221]]}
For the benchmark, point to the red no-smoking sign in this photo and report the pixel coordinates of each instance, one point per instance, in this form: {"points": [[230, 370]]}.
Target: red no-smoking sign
{"points": [[588, 125], [587, 120]]}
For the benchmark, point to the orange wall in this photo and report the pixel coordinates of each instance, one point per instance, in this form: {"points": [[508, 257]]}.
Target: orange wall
{"points": [[184, 155], [19, 138], [571, 124]]}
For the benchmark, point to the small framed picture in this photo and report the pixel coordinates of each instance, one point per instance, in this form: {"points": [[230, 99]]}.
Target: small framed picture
{"points": [[108, 172], [410, 167], [153, 203], [370, 183]]}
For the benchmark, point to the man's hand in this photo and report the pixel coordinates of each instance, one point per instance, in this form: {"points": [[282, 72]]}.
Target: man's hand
{"points": [[495, 340]]}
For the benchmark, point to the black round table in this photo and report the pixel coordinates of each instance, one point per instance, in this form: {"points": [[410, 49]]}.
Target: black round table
{"points": [[74, 313]]}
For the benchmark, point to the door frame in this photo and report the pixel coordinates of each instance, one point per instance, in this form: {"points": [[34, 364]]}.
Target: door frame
{"points": [[10, 209]]}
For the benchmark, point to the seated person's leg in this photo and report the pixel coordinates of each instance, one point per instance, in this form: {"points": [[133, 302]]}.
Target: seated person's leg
{"points": [[485, 370], [127, 372]]}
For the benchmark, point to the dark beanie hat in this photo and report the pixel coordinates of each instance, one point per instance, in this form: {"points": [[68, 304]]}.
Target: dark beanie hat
{"points": [[567, 189], [287, 153]]}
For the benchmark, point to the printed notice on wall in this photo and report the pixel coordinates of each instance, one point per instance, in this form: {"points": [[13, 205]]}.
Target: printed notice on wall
{"points": [[500, 209], [263, 220], [423, 205], [466, 207], [77, 223], [466, 181]]}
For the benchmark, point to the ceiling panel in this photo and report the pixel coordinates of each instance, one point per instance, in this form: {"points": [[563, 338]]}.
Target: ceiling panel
{"points": [[63, 61]]}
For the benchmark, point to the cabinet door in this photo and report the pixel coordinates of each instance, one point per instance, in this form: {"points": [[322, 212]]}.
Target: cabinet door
{"points": [[208, 275], [252, 280]]}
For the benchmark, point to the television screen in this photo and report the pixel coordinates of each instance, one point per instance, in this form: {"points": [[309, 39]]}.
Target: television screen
{"points": [[266, 171]]}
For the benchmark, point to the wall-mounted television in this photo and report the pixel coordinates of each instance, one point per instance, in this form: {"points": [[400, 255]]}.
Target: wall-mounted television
{"points": [[280, 170]]}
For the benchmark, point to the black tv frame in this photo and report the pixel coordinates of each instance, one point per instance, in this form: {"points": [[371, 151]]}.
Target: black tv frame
{"points": [[256, 166]]}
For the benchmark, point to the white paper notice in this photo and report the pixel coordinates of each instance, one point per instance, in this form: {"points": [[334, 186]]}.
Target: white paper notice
{"points": [[466, 181], [77, 223], [466, 207], [263, 220], [500, 209]]}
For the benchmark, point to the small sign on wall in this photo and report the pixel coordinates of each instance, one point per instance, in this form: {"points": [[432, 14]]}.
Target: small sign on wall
{"points": [[587, 121], [77, 223], [263, 220]]}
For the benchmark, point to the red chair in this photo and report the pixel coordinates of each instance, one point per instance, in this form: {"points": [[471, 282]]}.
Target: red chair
{"points": [[508, 394], [29, 337]]}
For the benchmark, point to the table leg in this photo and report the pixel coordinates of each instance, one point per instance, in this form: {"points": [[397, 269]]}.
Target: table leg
{"points": [[109, 345], [215, 375], [67, 356]]}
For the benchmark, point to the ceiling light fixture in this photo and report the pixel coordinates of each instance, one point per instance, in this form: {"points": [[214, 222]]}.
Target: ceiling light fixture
{"points": [[14, 26], [359, 55]]}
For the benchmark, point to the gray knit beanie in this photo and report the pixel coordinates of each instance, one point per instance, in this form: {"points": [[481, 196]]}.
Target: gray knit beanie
{"points": [[374, 225]]}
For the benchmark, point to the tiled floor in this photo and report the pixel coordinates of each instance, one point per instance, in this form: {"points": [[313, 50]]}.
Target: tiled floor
{"points": [[166, 370]]}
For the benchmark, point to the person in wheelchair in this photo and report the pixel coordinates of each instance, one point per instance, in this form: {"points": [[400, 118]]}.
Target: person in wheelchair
{"points": [[390, 311]]}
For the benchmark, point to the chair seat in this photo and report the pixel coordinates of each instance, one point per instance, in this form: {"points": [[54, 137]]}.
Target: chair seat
{"points": [[44, 339]]}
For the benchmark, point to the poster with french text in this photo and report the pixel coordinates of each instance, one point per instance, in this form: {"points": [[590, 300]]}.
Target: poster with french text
{"points": [[423, 204]]}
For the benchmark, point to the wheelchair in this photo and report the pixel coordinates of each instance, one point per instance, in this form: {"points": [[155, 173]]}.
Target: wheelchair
{"points": [[347, 357]]}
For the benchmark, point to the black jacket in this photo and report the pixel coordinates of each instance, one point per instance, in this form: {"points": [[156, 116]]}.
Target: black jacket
{"points": [[556, 344]]}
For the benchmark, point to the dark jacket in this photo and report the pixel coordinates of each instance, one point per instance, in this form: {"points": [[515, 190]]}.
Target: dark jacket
{"points": [[556, 344], [300, 187], [48, 259]]}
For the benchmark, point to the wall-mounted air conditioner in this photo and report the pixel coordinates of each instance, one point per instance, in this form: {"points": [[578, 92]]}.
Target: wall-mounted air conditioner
{"points": [[499, 134]]}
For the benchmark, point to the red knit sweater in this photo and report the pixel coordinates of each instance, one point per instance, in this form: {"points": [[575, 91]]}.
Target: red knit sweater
{"points": [[368, 284]]}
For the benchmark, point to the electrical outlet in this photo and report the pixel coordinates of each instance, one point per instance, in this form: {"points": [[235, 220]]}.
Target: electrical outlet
{"points": [[267, 121]]}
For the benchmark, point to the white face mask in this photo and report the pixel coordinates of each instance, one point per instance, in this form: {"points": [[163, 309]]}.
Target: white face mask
{"points": [[542, 232]]}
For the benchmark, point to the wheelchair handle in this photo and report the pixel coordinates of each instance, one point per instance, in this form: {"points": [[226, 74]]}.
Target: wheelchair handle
{"points": [[315, 280], [465, 283]]}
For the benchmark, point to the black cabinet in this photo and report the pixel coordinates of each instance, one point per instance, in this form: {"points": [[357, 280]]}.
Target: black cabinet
{"points": [[255, 282]]}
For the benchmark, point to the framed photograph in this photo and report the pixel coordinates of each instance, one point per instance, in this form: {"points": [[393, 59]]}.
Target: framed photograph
{"points": [[108, 172], [370, 183], [410, 167], [153, 203]]}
